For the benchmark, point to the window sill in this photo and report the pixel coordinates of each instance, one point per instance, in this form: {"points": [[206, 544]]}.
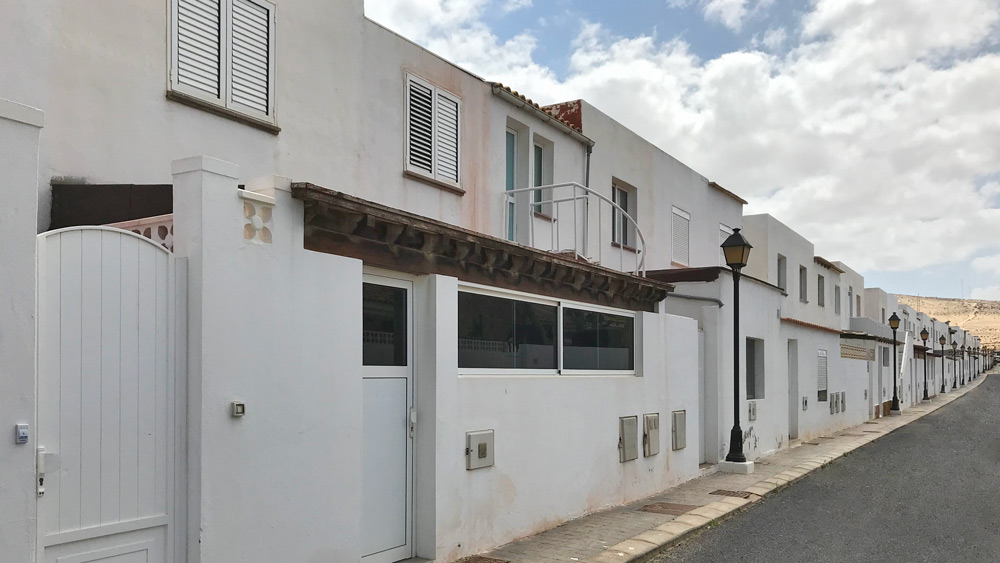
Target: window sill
{"points": [[222, 112], [678, 264], [804, 301], [544, 217], [625, 247], [436, 183]]}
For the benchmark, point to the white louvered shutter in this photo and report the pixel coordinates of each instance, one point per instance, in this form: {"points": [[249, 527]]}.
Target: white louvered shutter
{"points": [[821, 374], [420, 127], [199, 41], [446, 138], [724, 233], [251, 49], [680, 232]]}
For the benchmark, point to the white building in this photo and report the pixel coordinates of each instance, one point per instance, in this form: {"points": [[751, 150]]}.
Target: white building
{"points": [[405, 313]]}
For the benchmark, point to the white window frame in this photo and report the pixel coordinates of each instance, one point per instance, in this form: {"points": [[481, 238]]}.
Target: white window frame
{"points": [[626, 227], [820, 353], [782, 273], [724, 232], [676, 213], [435, 92], [224, 100], [468, 287]]}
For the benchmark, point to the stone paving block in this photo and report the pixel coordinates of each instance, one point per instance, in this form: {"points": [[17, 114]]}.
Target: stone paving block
{"points": [[709, 512], [735, 501], [676, 528], [633, 547], [656, 537], [693, 519]]}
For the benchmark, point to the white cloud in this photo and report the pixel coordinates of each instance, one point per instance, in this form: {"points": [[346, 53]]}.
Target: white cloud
{"points": [[774, 38], [991, 292], [729, 13], [870, 131], [515, 5]]}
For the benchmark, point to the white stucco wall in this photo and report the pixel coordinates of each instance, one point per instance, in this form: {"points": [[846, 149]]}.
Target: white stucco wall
{"points": [[556, 438], [100, 73], [759, 305], [272, 325], [19, 131], [661, 182]]}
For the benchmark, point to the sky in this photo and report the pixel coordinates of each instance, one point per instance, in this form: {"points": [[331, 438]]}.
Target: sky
{"points": [[871, 127]]}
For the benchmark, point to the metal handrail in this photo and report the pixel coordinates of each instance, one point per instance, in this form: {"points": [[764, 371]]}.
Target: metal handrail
{"points": [[579, 193]]}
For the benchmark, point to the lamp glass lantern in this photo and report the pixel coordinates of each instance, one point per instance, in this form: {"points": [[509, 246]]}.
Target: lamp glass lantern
{"points": [[736, 249]]}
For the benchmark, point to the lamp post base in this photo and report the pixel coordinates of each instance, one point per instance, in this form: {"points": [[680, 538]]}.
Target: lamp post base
{"points": [[738, 467], [925, 401], [895, 412]]}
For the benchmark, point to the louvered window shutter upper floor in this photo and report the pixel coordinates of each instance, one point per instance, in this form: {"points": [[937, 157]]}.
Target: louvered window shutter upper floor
{"points": [[446, 138], [420, 127], [199, 54], [680, 232], [250, 76]]}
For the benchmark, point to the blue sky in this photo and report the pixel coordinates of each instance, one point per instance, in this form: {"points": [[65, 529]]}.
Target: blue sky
{"points": [[871, 127]]}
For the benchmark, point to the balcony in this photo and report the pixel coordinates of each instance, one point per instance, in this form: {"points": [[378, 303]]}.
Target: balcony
{"points": [[573, 220]]}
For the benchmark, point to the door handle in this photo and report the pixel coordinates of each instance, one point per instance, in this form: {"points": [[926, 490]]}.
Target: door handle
{"points": [[45, 461], [412, 421]]}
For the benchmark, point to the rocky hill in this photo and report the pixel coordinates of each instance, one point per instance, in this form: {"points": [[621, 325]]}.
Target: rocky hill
{"points": [[978, 316]]}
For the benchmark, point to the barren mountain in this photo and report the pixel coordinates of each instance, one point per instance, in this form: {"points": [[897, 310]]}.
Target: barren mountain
{"points": [[978, 316]]}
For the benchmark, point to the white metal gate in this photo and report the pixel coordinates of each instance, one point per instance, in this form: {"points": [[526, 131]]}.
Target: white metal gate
{"points": [[108, 306]]}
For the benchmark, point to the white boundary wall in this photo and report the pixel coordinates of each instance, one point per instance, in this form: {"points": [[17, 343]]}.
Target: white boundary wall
{"points": [[20, 127]]}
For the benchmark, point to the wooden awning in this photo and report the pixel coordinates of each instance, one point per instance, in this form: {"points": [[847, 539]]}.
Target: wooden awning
{"points": [[337, 223]]}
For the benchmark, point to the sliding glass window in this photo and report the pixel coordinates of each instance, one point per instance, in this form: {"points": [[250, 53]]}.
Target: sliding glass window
{"points": [[594, 340], [494, 332]]}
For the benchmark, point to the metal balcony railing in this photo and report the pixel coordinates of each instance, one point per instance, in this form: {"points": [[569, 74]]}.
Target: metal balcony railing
{"points": [[524, 207]]}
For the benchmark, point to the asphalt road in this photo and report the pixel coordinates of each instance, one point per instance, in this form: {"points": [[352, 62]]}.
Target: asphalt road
{"points": [[929, 491]]}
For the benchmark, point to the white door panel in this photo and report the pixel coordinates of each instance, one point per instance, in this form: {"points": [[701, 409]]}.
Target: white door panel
{"points": [[387, 453], [105, 373]]}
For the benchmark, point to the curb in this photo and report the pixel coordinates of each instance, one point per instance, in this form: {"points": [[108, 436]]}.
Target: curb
{"points": [[650, 543]]}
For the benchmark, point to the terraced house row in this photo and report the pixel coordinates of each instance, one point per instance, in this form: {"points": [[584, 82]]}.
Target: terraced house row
{"points": [[281, 285]]}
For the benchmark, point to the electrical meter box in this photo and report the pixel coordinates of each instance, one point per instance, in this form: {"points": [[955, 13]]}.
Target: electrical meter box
{"points": [[679, 429], [650, 434], [478, 449], [628, 438]]}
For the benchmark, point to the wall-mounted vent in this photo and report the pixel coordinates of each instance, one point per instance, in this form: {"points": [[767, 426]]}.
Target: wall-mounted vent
{"points": [[752, 410]]}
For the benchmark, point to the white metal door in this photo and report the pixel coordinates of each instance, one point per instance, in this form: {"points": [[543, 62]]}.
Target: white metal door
{"points": [[106, 320], [387, 434]]}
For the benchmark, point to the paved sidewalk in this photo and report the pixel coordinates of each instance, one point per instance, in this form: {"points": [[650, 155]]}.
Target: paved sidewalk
{"points": [[628, 533]]}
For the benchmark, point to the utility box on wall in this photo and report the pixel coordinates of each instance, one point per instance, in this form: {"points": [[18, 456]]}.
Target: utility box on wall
{"points": [[628, 438], [678, 429], [650, 434], [478, 449]]}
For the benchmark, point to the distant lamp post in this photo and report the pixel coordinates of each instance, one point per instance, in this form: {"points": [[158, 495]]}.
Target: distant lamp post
{"points": [[961, 365], [954, 368], [736, 249], [894, 324], [923, 336], [942, 341]]}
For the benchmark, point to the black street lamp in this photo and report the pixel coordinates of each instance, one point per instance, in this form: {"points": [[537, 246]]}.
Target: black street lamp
{"points": [[894, 324], [736, 250], [961, 365], [954, 356], [941, 341], [923, 336]]}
